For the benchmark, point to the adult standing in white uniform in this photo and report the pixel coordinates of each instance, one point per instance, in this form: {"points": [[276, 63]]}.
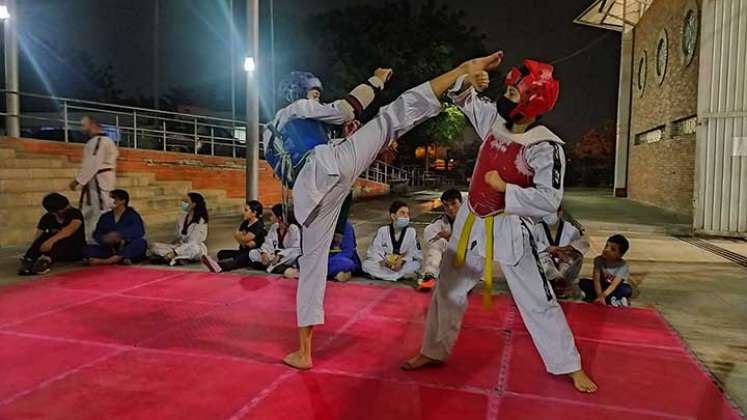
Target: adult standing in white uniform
{"points": [[97, 176], [329, 173]]}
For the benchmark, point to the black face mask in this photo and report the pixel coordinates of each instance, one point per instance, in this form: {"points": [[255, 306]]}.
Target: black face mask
{"points": [[505, 106]]}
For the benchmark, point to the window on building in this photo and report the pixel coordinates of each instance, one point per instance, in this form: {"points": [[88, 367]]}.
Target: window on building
{"points": [[650, 136], [685, 126]]}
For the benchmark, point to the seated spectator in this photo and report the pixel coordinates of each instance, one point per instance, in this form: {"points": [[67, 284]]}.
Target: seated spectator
{"points": [[250, 235], [119, 235], [437, 235], [60, 236], [562, 246], [344, 262], [610, 282], [395, 251], [282, 246], [191, 233]]}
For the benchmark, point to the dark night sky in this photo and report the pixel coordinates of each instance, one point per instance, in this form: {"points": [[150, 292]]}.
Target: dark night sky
{"points": [[194, 44]]}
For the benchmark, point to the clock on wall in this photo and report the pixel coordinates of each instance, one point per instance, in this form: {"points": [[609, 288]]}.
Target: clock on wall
{"points": [[662, 56], [690, 29], [640, 82]]}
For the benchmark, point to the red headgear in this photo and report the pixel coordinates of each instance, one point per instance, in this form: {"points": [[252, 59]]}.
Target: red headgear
{"points": [[538, 89]]}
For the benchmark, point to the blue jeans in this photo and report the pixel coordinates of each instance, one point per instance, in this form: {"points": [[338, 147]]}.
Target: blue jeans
{"points": [[623, 290]]}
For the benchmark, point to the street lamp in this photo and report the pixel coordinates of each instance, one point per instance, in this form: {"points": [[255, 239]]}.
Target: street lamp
{"points": [[12, 102], [4, 15], [252, 100], [249, 65]]}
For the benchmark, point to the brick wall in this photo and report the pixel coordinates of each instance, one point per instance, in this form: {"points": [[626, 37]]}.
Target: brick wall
{"points": [[661, 173], [205, 172]]}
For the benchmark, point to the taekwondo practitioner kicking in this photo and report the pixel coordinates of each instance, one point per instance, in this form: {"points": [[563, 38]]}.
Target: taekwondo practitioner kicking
{"points": [[322, 182], [518, 179]]}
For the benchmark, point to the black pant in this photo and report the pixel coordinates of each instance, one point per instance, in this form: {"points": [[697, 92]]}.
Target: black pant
{"points": [[587, 286], [64, 250], [232, 259]]}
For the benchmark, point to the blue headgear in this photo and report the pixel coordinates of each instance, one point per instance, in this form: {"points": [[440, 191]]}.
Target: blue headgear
{"points": [[297, 85]]}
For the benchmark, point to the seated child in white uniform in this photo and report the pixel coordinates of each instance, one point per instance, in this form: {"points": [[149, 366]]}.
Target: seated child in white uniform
{"points": [[395, 252], [191, 233], [282, 247]]}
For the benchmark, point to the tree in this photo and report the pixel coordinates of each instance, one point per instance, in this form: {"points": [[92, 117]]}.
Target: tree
{"points": [[594, 155]]}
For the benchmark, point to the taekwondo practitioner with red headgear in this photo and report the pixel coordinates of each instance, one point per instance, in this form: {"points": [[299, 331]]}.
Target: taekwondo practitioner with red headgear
{"points": [[518, 179], [328, 173]]}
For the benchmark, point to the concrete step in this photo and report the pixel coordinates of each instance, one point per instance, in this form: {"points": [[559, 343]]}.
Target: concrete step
{"points": [[61, 184], [6, 153], [37, 173], [29, 163]]}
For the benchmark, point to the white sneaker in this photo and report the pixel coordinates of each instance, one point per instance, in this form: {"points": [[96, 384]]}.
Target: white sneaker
{"points": [[615, 303], [211, 264], [624, 302]]}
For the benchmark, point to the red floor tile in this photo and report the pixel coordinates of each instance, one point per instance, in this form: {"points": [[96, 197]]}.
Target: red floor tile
{"points": [[205, 287], [107, 279], [517, 407], [27, 362], [144, 385], [666, 381], [245, 331], [113, 319], [321, 397], [18, 303], [377, 347], [630, 325]]}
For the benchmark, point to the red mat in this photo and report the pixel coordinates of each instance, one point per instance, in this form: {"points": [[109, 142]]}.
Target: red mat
{"points": [[141, 343]]}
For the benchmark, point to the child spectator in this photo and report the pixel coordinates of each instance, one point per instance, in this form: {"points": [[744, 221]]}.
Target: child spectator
{"points": [[250, 235], [191, 233], [344, 262], [562, 246], [610, 284], [60, 236], [282, 246], [119, 234], [395, 252], [437, 236]]}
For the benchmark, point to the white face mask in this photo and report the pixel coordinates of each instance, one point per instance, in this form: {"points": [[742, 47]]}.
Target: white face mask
{"points": [[184, 207], [550, 219]]}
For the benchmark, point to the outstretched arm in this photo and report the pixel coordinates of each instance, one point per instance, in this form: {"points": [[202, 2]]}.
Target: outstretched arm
{"points": [[469, 68]]}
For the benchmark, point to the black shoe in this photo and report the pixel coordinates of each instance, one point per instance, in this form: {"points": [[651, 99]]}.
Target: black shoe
{"points": [[42, 265]]}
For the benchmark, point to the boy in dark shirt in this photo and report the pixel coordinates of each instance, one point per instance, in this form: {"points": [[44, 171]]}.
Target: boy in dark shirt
{"points": [[250, 235], [60, 236], [611, 275]]}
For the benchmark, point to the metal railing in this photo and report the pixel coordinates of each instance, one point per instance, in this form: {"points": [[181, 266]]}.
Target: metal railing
{"points": [[384, 173], [135, 127]]}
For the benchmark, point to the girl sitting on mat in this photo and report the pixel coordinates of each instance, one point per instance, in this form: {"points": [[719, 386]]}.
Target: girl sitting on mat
{"points": [[191, 233], [250, 235], [282, 247]]}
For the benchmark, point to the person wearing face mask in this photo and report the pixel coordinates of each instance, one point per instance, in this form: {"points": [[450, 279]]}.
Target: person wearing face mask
{"points": [[250, 235], [562, 246], [191, 233], [97, 175], [395, 252], [518, 177], [282, 247], [60, 236]]}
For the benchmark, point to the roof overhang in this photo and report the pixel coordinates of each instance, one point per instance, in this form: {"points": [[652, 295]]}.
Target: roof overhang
{"points": [[616, 15]]}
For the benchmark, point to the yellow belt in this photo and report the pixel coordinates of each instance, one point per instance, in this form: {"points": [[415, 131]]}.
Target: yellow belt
{"points": [[461, 254]]}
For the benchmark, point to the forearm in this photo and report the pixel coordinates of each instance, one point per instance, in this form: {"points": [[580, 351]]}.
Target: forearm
{"points": [[611, 288], [442, 83], [597, 283]]}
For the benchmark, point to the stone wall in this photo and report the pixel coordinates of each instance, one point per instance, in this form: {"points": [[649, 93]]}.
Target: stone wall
{"points": [[661, 172]]}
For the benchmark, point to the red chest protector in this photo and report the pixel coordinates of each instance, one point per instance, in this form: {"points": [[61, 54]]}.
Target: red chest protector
{"points": [[506, 157]]}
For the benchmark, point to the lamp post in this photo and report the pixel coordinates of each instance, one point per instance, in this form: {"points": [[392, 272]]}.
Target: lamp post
{"points": [[9, 15], [252, 100]]}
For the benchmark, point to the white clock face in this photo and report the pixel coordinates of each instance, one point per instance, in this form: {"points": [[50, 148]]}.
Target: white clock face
{"points": [[662, 55], [689, 35]]}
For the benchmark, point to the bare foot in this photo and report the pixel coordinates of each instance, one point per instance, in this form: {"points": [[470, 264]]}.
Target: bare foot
{"points": [[290, 273], [343, 277], [420, 361], [298, 360], [582, 382]]}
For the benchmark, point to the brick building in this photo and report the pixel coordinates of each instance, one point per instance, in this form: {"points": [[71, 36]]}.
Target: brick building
{"points": [[681, 107]]}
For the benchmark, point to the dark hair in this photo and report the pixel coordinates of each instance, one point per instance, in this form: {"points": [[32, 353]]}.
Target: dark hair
{"points": [[200, 211], [621, 241], [256, 208], [285, 213], [55, 202], [452, 194], [121, 195], [398, 204], [92, 119]]}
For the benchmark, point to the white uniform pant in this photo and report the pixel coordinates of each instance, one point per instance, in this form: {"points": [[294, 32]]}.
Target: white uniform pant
{"points": [[91, 212], [188, 251], [544, 319], [352, 157], [433, 256], [409, 270]]}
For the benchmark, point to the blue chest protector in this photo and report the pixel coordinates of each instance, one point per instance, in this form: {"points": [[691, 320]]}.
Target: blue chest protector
{"points": [[289, 147]]}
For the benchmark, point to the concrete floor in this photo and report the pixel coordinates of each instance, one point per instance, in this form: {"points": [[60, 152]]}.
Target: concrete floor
{"points": [[702, 295]]}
